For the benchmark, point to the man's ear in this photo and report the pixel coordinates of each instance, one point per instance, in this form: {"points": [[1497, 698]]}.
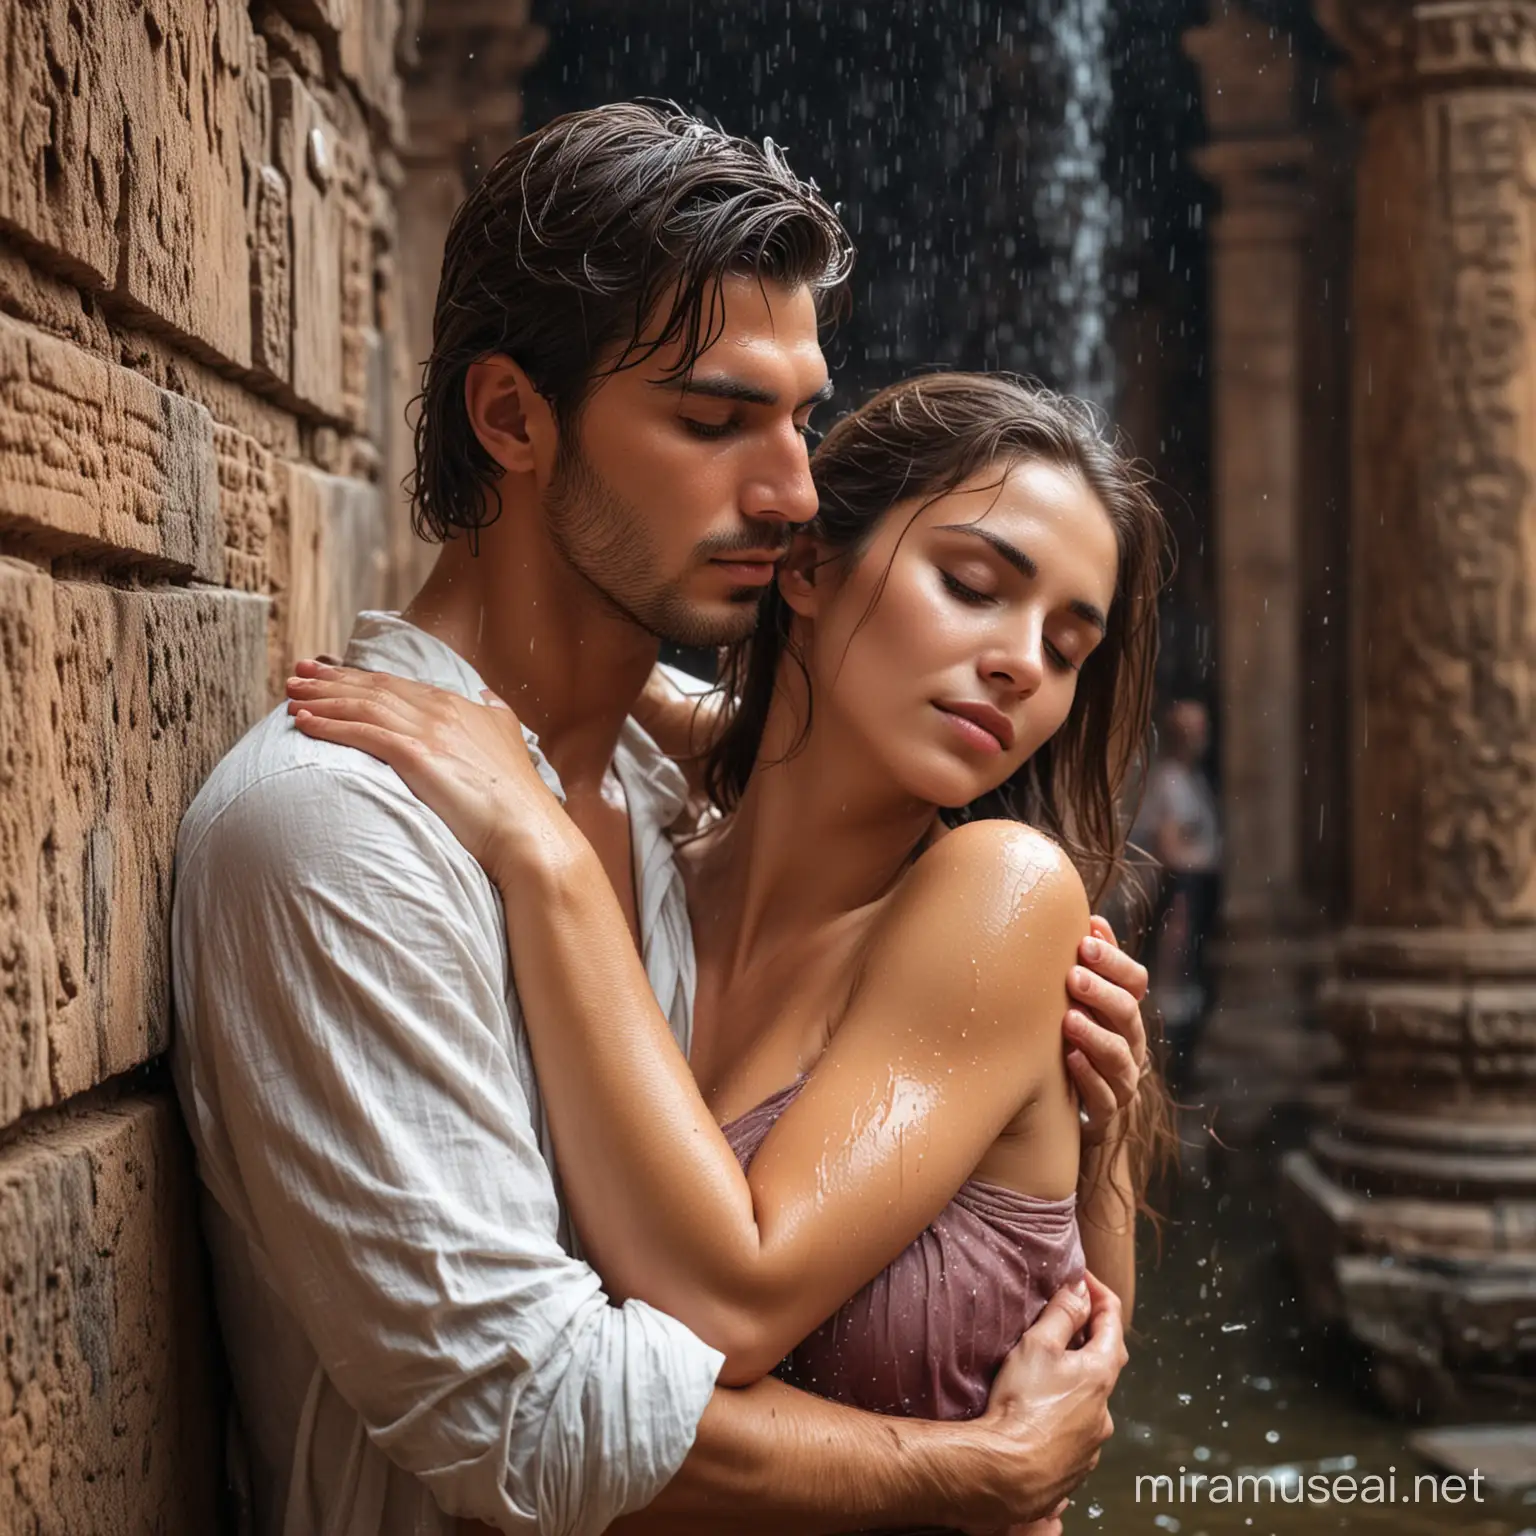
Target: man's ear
{"points": [[513, 421], [804, 575]]}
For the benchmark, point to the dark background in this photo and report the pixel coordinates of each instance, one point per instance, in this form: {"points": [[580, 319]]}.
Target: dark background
{"points": [[1018, 180]]}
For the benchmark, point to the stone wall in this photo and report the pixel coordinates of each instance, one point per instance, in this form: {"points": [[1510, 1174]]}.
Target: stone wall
{"points": [[200, 386]]}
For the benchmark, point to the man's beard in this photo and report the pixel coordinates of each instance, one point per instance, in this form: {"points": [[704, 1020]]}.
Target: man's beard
{"points": [[604, 540]]}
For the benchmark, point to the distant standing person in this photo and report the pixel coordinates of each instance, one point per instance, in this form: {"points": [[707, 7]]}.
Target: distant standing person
{"points": [[1180, 826]]}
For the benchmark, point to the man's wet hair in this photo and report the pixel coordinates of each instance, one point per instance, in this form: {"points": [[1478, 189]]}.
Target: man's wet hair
{"points": [[589, 246]]}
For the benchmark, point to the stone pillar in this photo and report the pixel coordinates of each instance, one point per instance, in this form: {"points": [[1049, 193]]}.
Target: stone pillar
{"points": [[1414, 1219], [1257, 1050], [463, 62]]}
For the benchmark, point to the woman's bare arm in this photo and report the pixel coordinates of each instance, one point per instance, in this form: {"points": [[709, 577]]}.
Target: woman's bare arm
{"points": [[952, 1031]]}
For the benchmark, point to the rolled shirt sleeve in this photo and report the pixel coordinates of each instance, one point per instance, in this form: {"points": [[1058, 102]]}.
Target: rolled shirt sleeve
{"points": [[351, 1067]]}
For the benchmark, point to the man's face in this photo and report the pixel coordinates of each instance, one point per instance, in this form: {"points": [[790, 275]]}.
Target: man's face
{"points": [[676, 498]]}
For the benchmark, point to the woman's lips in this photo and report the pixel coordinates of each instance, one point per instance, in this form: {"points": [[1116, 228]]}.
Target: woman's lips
{"points": [[979, 725]]}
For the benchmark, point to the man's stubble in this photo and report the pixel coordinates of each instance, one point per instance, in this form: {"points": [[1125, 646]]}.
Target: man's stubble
{"points": [[605, 541]]}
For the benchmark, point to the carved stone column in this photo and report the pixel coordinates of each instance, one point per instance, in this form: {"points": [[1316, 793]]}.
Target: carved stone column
{"points": [[1414, 1219], [1257, 1049], [463, 63]]}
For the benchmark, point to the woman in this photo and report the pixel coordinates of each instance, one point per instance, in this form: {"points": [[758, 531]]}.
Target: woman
{"points": [[964, 637]]}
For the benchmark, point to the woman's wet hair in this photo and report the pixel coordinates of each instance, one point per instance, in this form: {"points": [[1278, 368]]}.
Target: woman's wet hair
{"points": [[910, 445], [914, 443], [592, 244]]}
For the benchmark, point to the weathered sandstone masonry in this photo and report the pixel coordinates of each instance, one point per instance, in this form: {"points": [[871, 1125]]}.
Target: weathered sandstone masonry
{"points": [[204, 361]]}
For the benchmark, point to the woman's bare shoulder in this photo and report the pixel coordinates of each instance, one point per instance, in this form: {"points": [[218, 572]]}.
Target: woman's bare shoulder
{"points": [[986, 855], [989, 885]]}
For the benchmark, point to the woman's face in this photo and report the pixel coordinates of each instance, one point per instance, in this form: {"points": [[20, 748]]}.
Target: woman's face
{"points": [[967, 663]]}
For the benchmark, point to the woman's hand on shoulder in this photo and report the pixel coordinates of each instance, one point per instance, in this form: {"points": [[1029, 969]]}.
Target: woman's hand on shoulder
{"points": [[465, 761]]}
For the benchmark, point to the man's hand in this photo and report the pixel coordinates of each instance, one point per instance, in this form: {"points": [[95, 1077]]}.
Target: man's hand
{"points": [[1049, 1410], [1105, 1037]]}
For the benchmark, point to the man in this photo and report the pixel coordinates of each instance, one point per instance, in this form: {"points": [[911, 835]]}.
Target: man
{"points": [[611, 447]]}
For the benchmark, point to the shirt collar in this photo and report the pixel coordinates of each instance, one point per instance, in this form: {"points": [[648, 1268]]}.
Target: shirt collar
{"points": [[385, 642]]}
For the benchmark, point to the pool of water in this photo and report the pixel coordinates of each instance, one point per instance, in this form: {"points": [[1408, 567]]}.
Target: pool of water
{"points": [[1227, 1377]]}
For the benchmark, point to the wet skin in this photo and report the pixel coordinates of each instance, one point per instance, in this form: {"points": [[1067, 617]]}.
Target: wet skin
{"points": [[706, 478], [935, 617], [621, 530], [943, 1061]]}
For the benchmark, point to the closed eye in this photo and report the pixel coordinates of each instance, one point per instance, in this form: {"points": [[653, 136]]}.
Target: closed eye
{"points": [[714, 430], [708, 429], [965, 594], [970, 596], [1058, 660]]}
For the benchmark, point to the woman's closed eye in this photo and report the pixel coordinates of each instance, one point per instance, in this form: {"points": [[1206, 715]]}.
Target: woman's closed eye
{"points": [[1058, 659], [965, 593]]}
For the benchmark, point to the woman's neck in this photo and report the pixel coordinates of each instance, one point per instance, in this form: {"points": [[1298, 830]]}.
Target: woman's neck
{"points": [[819, 834]]}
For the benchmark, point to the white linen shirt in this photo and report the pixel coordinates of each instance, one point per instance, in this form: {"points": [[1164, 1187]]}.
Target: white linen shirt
{"points": [[410, 1335]]}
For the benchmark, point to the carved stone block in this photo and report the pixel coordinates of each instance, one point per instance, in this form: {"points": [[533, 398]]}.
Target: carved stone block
{"points": [[272, 277], [194, 97], [109, 1420], [123, 701], [94, 457], [357, 329], [1435, 1289], [139, 130], [330, 552], [27, 964], [307, 149], [30, 294], [369, 32], [1406, 1040], [152, 689], [1398, 44], [61, 119], [245, 502]]}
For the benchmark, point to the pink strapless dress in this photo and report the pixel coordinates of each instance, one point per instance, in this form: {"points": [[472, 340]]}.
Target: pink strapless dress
{"points": [[926, 1336]]}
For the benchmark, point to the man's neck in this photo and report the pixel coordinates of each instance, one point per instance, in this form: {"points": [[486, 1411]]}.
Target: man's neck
{"points": [[544, 641]]}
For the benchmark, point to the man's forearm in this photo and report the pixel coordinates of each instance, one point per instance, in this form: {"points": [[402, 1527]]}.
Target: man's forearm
{"points": [[769, 1459]]}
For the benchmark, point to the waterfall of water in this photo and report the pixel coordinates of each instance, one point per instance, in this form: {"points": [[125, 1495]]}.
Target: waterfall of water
{"points": [[1060, 101]]}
